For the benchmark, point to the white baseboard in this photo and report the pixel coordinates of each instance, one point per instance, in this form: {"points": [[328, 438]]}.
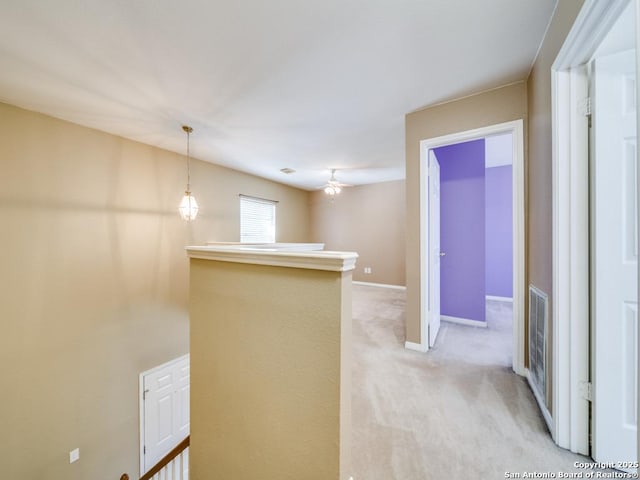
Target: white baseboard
{"points": [[382, 285], [418, 347], [464, 321], [499, 299], [541, 404]]}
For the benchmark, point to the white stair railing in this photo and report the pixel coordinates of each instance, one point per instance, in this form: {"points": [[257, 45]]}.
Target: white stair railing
{"points": [[173, 466]]}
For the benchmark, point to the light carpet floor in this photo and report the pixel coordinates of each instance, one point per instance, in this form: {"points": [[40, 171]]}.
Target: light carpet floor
{"points": [[457, 412]]}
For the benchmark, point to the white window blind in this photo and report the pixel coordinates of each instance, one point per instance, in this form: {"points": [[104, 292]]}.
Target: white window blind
{"points": [[257, 220]]}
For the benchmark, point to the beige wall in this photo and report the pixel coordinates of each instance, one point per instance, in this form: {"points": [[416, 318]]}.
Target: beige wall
{"points": [[539, 178], [94, 284], [484, 109], [370, 220], [270, 372]]}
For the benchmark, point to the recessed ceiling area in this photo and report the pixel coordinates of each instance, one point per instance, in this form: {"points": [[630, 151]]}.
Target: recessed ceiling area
{"points": [[306, 85]]}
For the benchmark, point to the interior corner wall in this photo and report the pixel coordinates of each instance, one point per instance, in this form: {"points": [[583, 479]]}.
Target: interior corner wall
{"points": [[462, 230], [93, 285], [539, 171], [369, 220], [492, 107]]}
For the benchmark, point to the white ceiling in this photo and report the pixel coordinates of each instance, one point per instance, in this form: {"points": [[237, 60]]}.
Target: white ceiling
{"points": [[305, 84]]}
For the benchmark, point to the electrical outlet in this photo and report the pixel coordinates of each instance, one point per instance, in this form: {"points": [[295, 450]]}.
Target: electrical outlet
{"points": [[367, 270], [74, 455]]}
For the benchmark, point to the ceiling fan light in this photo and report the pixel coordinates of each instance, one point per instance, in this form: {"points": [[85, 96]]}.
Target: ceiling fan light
{"points": [[329, 190], [337, 189]]}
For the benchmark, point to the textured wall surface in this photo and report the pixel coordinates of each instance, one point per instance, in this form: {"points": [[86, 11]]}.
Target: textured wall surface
{"points": [[539, 172], [270, 372], [94, 284], [370, 220]]}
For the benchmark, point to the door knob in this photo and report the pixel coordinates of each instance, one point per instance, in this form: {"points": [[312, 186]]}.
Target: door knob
{"points": [[442, 254]]}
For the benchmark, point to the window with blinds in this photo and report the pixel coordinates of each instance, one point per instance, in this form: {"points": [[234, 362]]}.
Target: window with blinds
{"points": [[257, 220]]}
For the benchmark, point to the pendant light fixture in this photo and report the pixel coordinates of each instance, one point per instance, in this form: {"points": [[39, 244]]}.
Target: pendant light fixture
{"points": [[188, 206]]}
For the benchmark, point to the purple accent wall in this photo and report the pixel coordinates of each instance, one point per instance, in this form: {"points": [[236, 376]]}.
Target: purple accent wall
{"points": [[462, 230], [498, 232]]}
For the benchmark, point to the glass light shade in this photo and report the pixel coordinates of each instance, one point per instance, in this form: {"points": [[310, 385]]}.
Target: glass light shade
{"points": [[188, 207], [332, 190]]}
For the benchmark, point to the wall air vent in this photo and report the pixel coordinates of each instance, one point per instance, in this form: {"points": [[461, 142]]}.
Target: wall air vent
{"points": [[538, 314]]}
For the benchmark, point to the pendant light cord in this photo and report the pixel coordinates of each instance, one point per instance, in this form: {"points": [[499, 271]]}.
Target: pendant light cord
{"points": [[188, 164], [187, 129]]}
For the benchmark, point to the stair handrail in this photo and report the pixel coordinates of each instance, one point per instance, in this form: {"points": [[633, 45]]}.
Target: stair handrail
{"points": [[164, 461]]}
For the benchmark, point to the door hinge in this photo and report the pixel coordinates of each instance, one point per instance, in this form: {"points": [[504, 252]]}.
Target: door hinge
{"points": [[144, 449], [586, 110], [585, 107], [144, 394], [586, 390]]}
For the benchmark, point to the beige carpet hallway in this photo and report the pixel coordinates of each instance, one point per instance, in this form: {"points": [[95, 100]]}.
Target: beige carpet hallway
{"points": [[457, 412]]}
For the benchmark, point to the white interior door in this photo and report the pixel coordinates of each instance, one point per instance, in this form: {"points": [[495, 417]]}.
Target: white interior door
{"points": [[165, 407], [615, 264], [434, 248]]}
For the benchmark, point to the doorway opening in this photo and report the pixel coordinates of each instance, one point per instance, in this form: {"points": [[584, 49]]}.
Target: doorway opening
{"points": [[431, 257], [475, 253]]}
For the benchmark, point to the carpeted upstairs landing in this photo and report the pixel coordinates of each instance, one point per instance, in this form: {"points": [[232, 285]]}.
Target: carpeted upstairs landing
{"points": [[457, 412]]}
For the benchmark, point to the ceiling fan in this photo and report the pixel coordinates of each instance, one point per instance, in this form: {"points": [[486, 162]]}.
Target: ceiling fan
{"points": [[333, 187]]}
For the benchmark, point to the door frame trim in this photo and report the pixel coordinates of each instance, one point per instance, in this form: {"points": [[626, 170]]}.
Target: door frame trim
{"points": [[570, 201], [516, 128], [432, 159]]}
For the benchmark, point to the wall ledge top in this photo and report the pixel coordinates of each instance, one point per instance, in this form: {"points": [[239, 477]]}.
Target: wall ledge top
{"points": [[311, 260]]}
